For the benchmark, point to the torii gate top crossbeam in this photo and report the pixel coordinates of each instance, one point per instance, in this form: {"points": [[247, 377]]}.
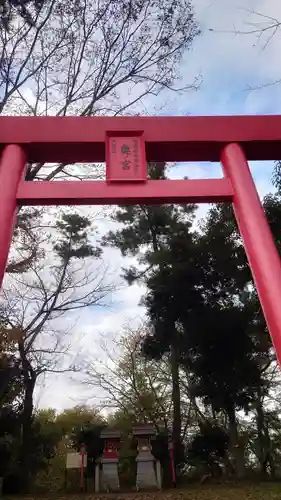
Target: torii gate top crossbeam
{"points": [[187, 138]]}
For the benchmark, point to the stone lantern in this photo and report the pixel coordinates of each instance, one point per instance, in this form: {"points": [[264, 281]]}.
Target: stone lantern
{"points": [[146, 473], [109, 460]]}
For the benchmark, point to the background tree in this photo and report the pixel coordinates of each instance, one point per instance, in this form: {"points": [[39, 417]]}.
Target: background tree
{"points": [[208, 450], [50, 289], [209, 296], [146, 234], [68, 425], [136, 389], [230, 340]]}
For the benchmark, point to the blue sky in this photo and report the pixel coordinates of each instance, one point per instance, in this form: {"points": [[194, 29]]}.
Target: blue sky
{"points": [[229, 64], [236, 70]]}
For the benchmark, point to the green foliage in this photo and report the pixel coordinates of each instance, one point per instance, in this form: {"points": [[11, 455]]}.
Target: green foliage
{"points": [[90, 438], [208, 448], [9, 433], [11, 380], [44, 438], [146, 229], [83, 425], [174, 294], [222, 356], [272, 206], [276, 178], [73, 241], [157, 235], [80, 416], [202, 306], [160, 446], [221, 256], [69, 426]]}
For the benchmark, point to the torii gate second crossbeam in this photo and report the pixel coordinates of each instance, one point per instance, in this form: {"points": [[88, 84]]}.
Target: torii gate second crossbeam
{"points": [[127, 144]]}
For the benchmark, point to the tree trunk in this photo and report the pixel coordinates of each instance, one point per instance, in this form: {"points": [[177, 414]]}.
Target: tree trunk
{"points": [[265, 448], [264, 441], [237, 449], [270, 458], [25, 457], [176, 431], [261, 451], [229, 470]]}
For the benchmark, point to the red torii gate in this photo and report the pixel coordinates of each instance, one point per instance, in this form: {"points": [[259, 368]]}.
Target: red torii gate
{"points": [[126, 144]]}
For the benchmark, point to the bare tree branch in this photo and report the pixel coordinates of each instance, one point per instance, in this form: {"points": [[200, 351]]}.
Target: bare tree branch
{"points": [[111, 57]]}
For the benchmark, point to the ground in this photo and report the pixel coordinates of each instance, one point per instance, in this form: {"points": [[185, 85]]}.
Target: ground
{"points": [[208, 492]]}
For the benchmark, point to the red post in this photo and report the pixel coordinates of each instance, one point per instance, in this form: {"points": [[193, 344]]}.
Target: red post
{"points": [[83, 454], [259, 245], [111, 449], [11, 169]]}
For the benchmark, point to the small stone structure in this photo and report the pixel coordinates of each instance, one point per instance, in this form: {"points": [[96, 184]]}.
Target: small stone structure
{"points": [[109, 460], [146, 473]]}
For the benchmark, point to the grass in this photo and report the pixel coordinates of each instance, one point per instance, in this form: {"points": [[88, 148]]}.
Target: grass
{"points": [[265, 491]]}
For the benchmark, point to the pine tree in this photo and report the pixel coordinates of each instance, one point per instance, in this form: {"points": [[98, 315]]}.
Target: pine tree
{"points": [[147, 233]]}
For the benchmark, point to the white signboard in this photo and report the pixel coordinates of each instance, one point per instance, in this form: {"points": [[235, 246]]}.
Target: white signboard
{"points": [[74, 460]]}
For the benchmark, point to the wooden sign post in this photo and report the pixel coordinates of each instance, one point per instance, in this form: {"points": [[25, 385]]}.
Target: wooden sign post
{"points": [[78, 461], [83, 462]]}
